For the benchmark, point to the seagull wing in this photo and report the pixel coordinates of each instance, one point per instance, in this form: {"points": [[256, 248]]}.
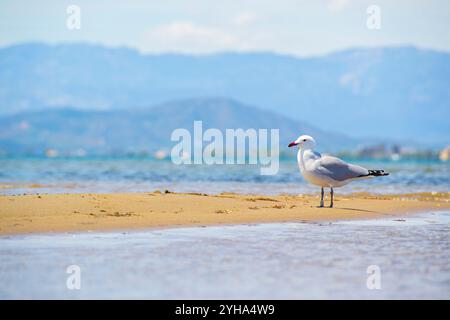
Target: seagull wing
{"points": [[339, 170]]}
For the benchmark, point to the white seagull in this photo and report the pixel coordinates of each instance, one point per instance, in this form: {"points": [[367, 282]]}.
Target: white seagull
{"points": [[327, 171]]}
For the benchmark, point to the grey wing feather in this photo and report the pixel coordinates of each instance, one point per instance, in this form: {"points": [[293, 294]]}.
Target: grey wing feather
{"points": [[339, 170]]}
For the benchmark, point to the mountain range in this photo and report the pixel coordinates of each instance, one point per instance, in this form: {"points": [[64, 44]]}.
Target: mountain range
{"points": [[144, 130], [400, 93]]}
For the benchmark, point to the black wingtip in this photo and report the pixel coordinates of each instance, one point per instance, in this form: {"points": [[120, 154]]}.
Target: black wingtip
{"points": [[378, 173]]}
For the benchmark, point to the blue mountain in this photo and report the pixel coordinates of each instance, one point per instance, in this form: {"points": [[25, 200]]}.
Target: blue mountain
{"points": [[394, 93], [114, 132]]}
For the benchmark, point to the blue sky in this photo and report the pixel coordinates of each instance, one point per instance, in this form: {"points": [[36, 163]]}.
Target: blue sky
{"points": [[297, 27]]}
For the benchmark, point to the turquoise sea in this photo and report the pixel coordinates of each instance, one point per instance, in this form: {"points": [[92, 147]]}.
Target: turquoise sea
{"points": [[69, 175]]}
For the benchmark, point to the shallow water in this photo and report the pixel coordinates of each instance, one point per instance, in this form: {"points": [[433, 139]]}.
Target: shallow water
{"points": [[143, 174], [288, 260]]}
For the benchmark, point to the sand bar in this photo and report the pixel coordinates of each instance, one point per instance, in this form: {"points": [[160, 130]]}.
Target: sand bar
{"points": [[43, 213]]}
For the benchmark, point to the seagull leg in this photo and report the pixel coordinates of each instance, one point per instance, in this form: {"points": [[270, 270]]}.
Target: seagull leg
{"points": [[332, 194], [321, 199]]}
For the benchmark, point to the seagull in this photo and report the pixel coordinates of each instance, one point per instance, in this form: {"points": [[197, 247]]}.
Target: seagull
{"points": [[327, 171]]}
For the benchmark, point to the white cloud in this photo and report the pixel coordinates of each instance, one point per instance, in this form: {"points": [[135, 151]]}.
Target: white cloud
{"points": [[338, 5], [187, 37], [244, 19]]}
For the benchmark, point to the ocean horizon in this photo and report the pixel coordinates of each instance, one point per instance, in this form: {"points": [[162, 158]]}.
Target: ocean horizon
{"points": [[32, 175]]}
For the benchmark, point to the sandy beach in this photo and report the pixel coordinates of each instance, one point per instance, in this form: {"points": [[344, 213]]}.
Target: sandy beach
{"points": [[22, 214]]}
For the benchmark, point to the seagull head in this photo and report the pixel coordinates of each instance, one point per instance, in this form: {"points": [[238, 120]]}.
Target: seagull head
{"points": [[304, 142]]}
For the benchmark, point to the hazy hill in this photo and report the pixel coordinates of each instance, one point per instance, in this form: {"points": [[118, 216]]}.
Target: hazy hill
{"points": [[149, 129], [388, 92]]}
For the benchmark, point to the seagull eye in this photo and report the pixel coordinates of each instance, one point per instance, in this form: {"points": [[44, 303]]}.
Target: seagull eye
{"points": [[304, 139]]}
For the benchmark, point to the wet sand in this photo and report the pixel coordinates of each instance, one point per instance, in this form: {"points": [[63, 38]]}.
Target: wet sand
{"points": [[23, 214], [312, 260]]}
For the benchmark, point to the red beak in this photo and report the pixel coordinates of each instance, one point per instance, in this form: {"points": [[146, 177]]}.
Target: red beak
{"points": [[292, 144]]}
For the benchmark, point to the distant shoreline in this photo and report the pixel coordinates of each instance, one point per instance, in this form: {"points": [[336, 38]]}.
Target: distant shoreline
{"points": [[25, 214]]}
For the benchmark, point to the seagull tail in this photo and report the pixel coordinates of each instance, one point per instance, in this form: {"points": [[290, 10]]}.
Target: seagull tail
{"points": [[376, 173]]}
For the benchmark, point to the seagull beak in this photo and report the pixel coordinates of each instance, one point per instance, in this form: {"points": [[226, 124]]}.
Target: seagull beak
{"points": [[292, 144]]}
